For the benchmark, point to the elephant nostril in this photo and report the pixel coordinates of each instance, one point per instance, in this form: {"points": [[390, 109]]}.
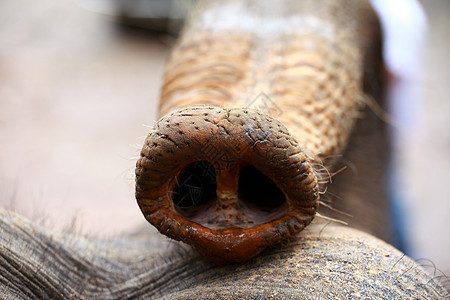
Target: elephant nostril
{"points": [[194, 190], [261, 199]]}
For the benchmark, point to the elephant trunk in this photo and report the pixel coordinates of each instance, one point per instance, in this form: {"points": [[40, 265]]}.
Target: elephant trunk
{"points": [[251, 111]]}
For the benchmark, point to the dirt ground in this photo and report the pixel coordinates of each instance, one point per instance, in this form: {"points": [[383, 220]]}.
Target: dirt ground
{"points": [[77, 95]]}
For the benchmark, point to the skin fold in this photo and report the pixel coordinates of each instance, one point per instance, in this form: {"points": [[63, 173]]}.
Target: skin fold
{"points": [[287, 86]]}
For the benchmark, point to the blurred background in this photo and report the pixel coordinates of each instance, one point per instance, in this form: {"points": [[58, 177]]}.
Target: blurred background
{"points": [[78, 92]]}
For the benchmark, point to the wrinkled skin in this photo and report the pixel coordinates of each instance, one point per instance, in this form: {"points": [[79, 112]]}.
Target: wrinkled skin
{"points": [[324, 261]]}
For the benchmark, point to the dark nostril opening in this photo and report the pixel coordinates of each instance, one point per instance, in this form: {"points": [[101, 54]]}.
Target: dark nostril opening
{"points": [[259, 191], [194, 187]]}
